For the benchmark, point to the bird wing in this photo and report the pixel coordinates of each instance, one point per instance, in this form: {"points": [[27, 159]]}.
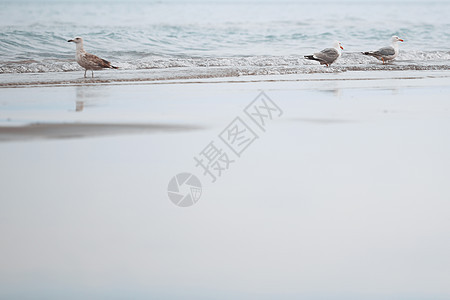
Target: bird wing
{"points": [[328, 55], [385, 51], [97, 61]]}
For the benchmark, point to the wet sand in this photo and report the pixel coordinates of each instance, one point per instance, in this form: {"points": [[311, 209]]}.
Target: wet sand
{"points": [[344, 196], [70, 131]]}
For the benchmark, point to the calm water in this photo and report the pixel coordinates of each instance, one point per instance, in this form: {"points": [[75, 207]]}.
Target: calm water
{"points": [[240, 37]]}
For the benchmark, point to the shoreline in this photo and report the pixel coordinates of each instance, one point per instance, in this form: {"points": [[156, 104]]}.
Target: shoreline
{"points": [[124, 108], [127, 77]]}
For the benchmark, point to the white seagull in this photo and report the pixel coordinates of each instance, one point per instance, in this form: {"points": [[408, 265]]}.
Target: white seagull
{"points": [[327, 56], [386, 53], [89, 61]]}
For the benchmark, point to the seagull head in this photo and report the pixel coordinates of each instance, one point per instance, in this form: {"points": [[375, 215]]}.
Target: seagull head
{"points": [[338, 45], [396, 39], [76, 40]]}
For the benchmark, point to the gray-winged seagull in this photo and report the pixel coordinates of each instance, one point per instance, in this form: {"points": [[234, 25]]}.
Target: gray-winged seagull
{"points": [[386, 53], [89, 61], [327, 56]]}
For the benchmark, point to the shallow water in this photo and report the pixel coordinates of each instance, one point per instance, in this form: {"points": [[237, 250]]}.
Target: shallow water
{"points": [[244, 38], [345, 195]]}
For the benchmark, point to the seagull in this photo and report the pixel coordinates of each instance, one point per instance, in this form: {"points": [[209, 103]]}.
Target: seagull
{"points": [[89, 61], [327, 56], [386, 53]]}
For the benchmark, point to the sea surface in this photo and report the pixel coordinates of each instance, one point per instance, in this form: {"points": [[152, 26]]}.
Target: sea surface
{"points": [[197, 39]]}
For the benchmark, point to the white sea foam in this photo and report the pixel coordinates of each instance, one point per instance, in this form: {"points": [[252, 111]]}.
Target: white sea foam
{"points": [[416, 60]]}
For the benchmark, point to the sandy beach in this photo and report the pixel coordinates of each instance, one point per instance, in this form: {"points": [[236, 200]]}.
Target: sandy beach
{"points": [[346, 193]]}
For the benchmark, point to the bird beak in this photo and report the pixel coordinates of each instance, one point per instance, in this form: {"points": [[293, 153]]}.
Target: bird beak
{"points": [[341, 47], [400, 40], [70, 40]]}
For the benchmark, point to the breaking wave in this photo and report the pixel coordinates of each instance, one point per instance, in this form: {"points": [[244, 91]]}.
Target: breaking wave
{"points": [[251, 65]]}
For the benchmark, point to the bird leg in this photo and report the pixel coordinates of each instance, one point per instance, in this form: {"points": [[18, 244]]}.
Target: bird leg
{"points": [[92, 73], [382, 60], [85, 73]]}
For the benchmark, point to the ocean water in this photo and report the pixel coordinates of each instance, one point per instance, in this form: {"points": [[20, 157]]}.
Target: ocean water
{"points": [[221, 38]]}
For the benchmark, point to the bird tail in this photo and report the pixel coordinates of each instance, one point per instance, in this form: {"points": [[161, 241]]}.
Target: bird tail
{"points": [[311, 57], [114, 67]]}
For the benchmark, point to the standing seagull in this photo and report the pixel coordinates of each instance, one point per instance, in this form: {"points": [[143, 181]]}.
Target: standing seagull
{"points": [[89, 61], [386, 53], [327, 56]]}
